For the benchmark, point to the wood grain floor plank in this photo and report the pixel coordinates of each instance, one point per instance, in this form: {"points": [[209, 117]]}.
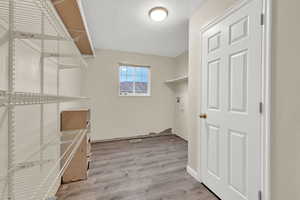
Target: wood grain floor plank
{"points": [[153, 169]]}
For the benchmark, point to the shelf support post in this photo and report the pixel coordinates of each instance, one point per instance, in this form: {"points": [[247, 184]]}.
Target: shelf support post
{"points": [[42, 70], [11, 109]]}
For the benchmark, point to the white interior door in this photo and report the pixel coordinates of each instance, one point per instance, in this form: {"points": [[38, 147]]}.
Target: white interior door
{"points": [[230, 136]]}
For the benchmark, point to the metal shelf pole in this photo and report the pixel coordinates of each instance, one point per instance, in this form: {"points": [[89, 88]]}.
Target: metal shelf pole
{"points": [[42, 73], [58, 83], [11, 108]]}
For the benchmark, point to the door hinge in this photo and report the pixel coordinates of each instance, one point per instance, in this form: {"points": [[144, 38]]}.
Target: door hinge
{"points": [[262, 19], [261, 106], [260, 195]]}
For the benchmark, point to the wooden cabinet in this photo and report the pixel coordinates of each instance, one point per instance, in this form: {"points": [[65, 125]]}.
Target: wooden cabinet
{"points": [[78, 167]]}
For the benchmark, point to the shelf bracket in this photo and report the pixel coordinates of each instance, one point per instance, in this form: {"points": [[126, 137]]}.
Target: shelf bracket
{"points": [[47, 55], [37, 36], [69, 67]]}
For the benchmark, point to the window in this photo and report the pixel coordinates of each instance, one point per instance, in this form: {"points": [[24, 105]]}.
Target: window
{"points": [[134, 80]]}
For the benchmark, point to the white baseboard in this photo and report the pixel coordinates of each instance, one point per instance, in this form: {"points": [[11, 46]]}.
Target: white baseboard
{"points": [[130, 138], [193, 173]]}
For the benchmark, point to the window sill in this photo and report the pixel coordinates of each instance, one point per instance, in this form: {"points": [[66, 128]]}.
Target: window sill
{"points": [[135, 95]]}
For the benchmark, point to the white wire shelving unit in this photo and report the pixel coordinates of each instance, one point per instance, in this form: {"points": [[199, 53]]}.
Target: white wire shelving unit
{"points": [[36, 24]]}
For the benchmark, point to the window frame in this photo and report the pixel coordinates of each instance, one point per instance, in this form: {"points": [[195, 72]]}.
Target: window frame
{"points": [[134, 94]]}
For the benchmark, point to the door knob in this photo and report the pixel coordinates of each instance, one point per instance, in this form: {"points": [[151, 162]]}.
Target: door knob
{"points": [[203, 116]]}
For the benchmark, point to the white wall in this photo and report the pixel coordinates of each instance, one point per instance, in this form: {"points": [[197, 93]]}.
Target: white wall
{"points": [[116, 117], [285, 135], [180, 90]]}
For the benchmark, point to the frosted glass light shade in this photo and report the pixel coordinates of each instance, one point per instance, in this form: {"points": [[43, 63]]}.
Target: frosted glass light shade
{"points": [[158, 14]]}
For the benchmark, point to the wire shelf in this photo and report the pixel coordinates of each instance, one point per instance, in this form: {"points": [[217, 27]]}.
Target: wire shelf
{"points": [[35, 179], [34, 174], [28, 98], [33, 17]]}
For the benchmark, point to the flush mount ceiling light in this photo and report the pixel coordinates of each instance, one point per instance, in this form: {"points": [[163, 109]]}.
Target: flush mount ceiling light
{"points": [[158, 14]]}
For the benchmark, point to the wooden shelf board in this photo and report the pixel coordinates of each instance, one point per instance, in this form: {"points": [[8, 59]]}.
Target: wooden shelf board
{"points": [[179, 79], [71, 14]]}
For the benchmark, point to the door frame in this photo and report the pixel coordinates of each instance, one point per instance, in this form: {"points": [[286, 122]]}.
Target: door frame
{"points": [[265, 180]]}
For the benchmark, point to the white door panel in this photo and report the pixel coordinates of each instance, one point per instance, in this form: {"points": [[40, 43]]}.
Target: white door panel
{"points": [[230, 140], [213, 84]]}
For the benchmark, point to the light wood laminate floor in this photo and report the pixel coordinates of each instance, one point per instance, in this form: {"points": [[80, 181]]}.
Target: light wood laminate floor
{"points": [[153, 169]]}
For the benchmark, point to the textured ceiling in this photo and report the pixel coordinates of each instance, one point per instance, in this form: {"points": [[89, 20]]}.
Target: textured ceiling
{"points": [[124, 25]]}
